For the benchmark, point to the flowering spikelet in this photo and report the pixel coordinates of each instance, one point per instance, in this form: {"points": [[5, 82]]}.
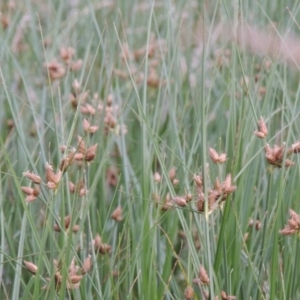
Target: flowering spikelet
{"points": [[91, 153], [31, 267], [293, 225], [87, 154], [53, 179], [88, 128], [66, 225], [79, 188], [216, 195], [157, 177], [56, 70], [224, 296], [87, 109], [188, 293], [172, 173], [202, 278], [215, 157], [31, 193], [67, 160], [262, 129], [99, 246], [167, 203], [275, 156], [117, 214], [87, 265], [295, 148], [33, 177], [180, 201]]}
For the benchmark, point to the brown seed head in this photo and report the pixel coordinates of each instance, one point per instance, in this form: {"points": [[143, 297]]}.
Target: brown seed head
{"points": [[104, 249], [188, 197], [295, 147], [56, 70], [97, 241], [87, 109], [31, 267], [27, 190], [157, 177], [52, 178], [175, 181], [262, 129], [117, 214], [172, 173], [198, 180], [203, 276], [91, 153], [180, 201], [224, 296], [73, 268], [188, 293], [215, 157], [87, 265], [88, 128], [75, 278], [33, 177]]}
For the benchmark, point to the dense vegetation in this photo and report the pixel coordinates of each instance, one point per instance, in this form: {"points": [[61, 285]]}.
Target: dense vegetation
{"points": [[149, 150]]}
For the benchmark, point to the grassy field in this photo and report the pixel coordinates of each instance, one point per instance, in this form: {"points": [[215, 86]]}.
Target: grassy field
{"points": [[149, 150]]}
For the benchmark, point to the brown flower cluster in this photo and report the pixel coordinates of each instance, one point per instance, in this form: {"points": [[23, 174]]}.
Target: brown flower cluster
{"points": [[202, 278], [215, 157], [275, 155], [117, 214], [58, 69], [99, 246], [75, 272], [66, 225], [79, 188], [216, 195], [53, 178], [293, 225], [106, 109], [84, 153], [172, 176], [262, 131]]}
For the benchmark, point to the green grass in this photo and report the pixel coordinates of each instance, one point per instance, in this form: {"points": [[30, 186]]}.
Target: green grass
{"points": [[185, 97]]}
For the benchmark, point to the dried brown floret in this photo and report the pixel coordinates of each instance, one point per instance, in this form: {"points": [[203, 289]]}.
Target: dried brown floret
{"points": [[172, 173], [262, 129], [117, 214], [53, 179], [275, 156], [227, 297], [188, 293], [215, 157], [56, 70], [202, 278], [180, 201], [157, 177], [88, 128], [293, 225], [33, 177], [101, 247], [87, 265], [31, 193], [31, 267]]}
